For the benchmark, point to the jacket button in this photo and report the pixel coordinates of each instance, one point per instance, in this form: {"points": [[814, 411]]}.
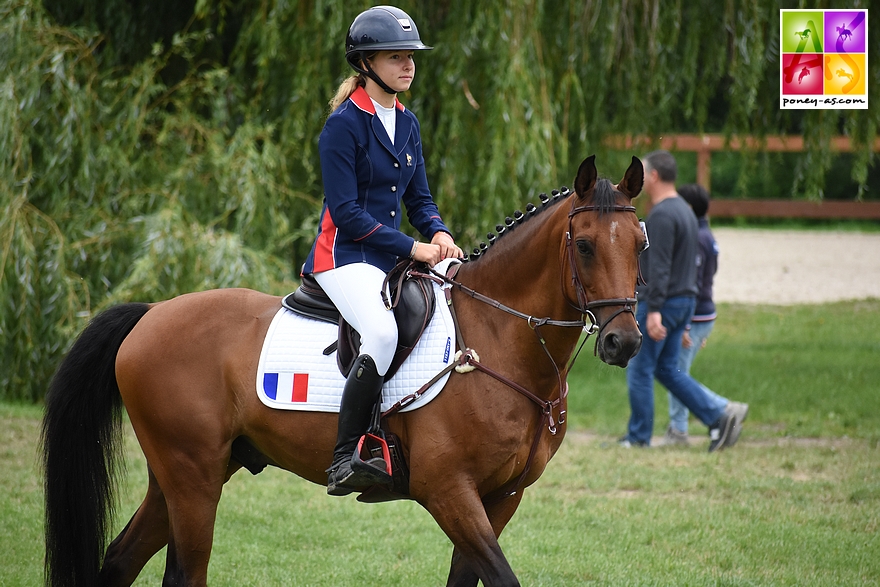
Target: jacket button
{"points": [[394, 188], [393, 213], [396, 164]]}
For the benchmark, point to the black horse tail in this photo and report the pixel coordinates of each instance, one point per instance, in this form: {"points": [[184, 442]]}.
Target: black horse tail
{"points": [[82, 450]]}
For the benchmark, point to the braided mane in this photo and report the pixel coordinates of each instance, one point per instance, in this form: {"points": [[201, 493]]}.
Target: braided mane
{"points": [[511, 222], [604, 197]]}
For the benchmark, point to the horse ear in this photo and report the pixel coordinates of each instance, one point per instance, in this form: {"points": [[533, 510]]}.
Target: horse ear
{"points": [[586, 176], [633, 179]]}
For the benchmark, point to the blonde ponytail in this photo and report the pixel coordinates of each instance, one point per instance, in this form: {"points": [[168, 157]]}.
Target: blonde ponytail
{"points": [[346, 89]]}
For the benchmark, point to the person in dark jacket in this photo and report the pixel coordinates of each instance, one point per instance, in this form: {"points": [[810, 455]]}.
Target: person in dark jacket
{"points": [[371, 161], [697, 332], [665, 307]]}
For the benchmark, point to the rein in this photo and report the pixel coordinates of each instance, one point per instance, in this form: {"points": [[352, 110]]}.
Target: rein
{"points": [[467, 359]]}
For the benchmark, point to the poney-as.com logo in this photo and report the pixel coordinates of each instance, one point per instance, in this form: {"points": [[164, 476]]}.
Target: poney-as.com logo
{"points": [[823, 59]]}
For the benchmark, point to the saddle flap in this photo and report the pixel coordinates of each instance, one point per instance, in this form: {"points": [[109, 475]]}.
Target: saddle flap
{"points": [[414, 306], [413, 311]]}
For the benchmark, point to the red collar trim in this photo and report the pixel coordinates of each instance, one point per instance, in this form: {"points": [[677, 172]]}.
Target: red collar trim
{"points": [[362, 100]]}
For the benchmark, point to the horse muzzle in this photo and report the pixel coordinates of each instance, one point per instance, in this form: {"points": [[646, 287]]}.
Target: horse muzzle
{"points": [[618, 346]]}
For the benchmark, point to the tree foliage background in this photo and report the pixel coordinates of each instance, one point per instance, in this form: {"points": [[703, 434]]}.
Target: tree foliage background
{"points": [[154, 147]]}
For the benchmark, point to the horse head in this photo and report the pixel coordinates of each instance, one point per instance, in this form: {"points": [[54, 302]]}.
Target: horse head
{"points": [[605, 240]]}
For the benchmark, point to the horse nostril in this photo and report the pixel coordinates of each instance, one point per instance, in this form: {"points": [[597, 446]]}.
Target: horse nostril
{"points": [[617, 348], [611, 344]]}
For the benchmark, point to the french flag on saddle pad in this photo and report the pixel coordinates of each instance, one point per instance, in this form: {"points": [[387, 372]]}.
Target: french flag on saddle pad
{"points": [[286, 387]]}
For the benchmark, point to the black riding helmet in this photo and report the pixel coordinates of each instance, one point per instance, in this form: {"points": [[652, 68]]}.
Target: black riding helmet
{"points": [[381, 28]]}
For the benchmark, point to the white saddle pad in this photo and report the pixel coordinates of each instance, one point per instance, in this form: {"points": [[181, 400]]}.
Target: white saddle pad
{"points": [[294, 374]]}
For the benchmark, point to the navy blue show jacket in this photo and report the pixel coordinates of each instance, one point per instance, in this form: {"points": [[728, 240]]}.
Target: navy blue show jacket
{"points": [[365, 180]]}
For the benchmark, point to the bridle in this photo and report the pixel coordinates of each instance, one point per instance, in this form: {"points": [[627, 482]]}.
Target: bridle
{"points": [[584, 305]]}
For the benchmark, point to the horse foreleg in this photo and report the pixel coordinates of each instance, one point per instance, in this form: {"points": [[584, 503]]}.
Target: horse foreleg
{"points": [[473, 529], [499, 513], [142, 537], [460, 572]]}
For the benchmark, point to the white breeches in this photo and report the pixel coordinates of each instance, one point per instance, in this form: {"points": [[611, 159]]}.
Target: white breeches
{"points": [[356, 290]]}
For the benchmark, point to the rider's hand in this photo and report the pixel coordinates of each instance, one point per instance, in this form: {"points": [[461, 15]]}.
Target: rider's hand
{"points": [[426, 253], [448, 248]]}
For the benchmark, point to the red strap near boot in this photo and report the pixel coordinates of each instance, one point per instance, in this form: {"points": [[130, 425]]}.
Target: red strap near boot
{"points": [[386, 454]]}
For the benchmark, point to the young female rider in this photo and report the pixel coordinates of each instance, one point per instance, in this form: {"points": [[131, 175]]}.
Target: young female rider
{"points": [[371, 159]]}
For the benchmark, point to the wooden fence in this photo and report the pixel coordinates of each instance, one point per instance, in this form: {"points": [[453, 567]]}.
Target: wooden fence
{"points": [[704, 145]]}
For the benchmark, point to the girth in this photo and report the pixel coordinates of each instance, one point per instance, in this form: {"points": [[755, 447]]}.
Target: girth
{"points": [[412, 301]]}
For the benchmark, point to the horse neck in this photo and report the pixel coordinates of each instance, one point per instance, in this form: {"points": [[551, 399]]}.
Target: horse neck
{"points": [[527, 270]]}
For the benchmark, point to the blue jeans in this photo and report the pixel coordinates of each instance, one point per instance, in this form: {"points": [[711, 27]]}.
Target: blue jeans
{"points": [[678, 412], [660, 360]]}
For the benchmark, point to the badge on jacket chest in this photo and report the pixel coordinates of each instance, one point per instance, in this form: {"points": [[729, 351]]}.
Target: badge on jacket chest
{"points": [[408, 160]]}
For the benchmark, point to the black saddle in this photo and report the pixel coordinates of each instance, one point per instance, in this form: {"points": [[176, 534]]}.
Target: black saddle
{"points": [[412, 300]]}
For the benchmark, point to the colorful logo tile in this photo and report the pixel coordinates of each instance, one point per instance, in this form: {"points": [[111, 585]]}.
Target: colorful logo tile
{"points": [[823, 60], [845, 74], [802, 73], [846, 31], [802, 31]]}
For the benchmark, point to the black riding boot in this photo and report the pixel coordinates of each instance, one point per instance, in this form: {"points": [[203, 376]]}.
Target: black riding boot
{"points": [[362, 389]]}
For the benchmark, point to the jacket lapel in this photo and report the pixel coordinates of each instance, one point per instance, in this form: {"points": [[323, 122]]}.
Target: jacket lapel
{"points": [[362, 100], [382, 134], [403, 131]]}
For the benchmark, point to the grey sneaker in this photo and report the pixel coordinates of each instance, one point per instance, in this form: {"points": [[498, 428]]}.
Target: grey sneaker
{"points": [[740, 411], [674, 438], [720, 431]]}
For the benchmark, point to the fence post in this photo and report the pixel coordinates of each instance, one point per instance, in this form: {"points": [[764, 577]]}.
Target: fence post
{"points": [[704, 168]]}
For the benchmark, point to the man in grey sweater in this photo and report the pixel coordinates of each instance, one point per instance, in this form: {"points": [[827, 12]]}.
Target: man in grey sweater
{"points": [[666, 304]]}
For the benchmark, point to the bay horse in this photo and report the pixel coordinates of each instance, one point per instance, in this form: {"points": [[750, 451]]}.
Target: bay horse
{"points": [[184, 370]]}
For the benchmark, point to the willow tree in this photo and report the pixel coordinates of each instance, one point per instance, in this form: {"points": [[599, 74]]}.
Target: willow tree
{"points": [[155, 147]]}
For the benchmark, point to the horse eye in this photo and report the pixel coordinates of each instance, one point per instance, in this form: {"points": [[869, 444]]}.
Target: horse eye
{"points": [[585, 248]]}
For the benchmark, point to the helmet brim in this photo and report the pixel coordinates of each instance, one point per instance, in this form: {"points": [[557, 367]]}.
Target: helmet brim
{"points": [[390, 46]]}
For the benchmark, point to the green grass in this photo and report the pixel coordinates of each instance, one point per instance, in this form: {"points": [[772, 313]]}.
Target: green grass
{"points": [[811, 371], [795, 503]]}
